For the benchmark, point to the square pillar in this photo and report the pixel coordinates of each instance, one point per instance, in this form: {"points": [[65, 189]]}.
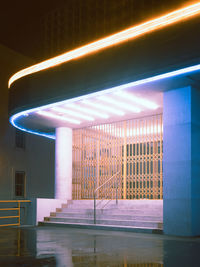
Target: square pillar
{"points": [[181, 162]]}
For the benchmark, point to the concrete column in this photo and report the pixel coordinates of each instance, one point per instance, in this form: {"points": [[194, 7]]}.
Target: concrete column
{"points": [[63, 168], [181, 162]]}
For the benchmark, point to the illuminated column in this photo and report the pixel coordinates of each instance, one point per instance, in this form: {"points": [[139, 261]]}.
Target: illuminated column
{"points": [[181, 162], [63, 168]]}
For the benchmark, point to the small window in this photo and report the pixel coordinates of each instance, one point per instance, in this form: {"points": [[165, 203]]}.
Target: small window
{"points": [[19, 184], [19, 139]]}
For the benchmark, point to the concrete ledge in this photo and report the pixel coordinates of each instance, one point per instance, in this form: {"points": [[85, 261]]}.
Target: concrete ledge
{"points": [[103, 227]]}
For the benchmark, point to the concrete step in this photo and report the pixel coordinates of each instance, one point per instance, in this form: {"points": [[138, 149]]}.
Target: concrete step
{"points": [[145, 202], [113, 206], [135, 223], [133, 215], [113, 211], [115, 216], [104, 227]]}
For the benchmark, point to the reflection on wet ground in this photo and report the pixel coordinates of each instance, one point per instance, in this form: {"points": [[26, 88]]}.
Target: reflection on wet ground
{"points": [[65, 247]]}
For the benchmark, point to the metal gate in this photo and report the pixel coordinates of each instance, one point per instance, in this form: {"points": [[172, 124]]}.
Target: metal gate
{"points": [[133, 148]]}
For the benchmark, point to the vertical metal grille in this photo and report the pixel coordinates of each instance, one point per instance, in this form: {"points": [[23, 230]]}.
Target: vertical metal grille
{"points": [[133, 148]]}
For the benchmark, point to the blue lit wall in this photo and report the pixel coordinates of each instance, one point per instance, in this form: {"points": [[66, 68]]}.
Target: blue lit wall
{"points": [[181, 162]]}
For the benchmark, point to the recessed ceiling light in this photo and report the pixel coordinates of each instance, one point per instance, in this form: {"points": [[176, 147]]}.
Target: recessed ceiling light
{"points": [[138, 100], [120, 103], [73, 113], [88, 111], [57, 117], [104, 108]]}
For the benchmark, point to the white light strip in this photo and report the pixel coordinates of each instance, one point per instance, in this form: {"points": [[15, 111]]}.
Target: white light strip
{"points": [[130, 33], [104, 108], [121, 104], [73, 113], [88, 111], [53, 116], [140, 101]]}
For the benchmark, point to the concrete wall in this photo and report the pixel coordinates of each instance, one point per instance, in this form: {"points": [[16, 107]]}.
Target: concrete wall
{"points": [[195, 164], [37, 159]]}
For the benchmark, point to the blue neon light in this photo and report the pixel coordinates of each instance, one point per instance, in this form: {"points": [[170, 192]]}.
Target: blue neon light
{"points": [[17, 116]]}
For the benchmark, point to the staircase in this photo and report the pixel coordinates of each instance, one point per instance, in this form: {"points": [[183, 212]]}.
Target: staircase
{"points": [[129, 215]]}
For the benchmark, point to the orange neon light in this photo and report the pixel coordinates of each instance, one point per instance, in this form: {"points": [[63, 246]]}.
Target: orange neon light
{"points": [[114, 39]]}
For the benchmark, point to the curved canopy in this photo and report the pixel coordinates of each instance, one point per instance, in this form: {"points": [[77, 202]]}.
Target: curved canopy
{"points": [[124, 78]]}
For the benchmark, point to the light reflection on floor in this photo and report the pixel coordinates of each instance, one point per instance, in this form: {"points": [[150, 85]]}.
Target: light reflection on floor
{"points": [[65, 247]]}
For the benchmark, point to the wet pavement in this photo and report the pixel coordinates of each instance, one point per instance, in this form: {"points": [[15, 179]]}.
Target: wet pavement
{"points": [[65, 247]]}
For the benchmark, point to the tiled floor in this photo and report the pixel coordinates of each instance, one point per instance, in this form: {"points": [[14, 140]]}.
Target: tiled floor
{"points": [[65, 247]]}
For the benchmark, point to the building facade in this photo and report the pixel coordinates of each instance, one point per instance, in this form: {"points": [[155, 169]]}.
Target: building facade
{"points": [[22, 156], [125, 106]]}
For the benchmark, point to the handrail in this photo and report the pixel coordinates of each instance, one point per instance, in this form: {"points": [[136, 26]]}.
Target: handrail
{"points": [[17, 200], [106, 182], [99, 187], [17, 209]]}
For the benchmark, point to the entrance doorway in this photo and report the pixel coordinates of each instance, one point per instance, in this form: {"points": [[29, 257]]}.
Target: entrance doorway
{"points": [[133, 149]]}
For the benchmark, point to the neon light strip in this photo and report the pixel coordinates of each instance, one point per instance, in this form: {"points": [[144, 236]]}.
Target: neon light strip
{"points": [[73, 113], [114, 39], [13, 119], [57, 117], [89, 111], [142, 102], [104, 108], [120, 104]]}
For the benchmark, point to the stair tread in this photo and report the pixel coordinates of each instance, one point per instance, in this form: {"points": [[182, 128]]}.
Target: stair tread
{"points": [[125, 226], [104, 226], [106, 209], [113, 214], [104, 219], [146, 216], [111, 217]]}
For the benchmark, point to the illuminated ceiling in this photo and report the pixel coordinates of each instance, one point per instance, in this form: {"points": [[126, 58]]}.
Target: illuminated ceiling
{"points": [[114, 104], [94, 110]]}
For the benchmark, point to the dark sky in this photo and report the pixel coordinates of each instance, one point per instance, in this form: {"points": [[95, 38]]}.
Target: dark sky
{"points": [[20, 22], [15, 14], [20, 19]]}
